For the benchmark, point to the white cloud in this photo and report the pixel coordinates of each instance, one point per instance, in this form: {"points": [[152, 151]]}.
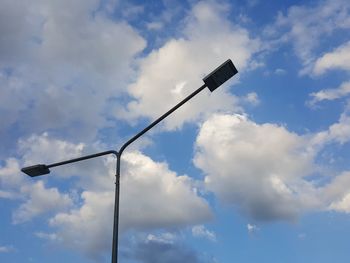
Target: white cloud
{"points": [[166, 238], [10, 178], [87, 228], [6, 249], [209, 39], [252, 98], [148, 189], [252, 228], [40, 200], [337, 59], [202, 232], [338, 132], [308, 25], [258, 168], [263, 169], [152, 197], [51, 237], [280, 71], [337, 193], [46, 149], [330, 94], [342, 205]]}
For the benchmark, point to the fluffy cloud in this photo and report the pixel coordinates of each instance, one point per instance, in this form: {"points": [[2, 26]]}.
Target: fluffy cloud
{"points": [[337, 59], [148, 190], [308, 25], [263, 169], [337, 193], [144, 182], [87, 228], [40, 200], [338, 132], [208, 40], [10, 179], [152, 196], [258, 168], [45, 149]]}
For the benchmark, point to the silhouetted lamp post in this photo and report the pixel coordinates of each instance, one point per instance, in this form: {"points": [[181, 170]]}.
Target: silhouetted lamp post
{"points": [[220, 75]]}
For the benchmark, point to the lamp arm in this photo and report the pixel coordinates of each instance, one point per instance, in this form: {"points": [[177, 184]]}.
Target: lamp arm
{"points": [[154, 123], [83, 158]]}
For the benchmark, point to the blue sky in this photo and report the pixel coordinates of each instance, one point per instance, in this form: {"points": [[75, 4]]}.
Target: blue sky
{"points": [[256, 171]]}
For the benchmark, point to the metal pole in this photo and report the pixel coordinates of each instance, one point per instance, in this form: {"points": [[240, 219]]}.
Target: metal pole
{"points": [[116, 212]]}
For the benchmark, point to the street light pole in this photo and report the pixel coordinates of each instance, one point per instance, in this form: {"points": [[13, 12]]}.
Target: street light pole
{"points": [[212, 81], [117, 184]]}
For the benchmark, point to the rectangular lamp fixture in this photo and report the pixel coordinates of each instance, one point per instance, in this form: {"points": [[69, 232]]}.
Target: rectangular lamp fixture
{"points": [[220, 75], [36, 170]]}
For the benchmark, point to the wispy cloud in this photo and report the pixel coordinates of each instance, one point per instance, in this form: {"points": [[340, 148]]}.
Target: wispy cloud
{"points": [[203, 232]]}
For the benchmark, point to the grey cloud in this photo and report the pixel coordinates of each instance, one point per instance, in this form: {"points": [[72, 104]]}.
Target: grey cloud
{"points": [[60, 65], [153, 251]]}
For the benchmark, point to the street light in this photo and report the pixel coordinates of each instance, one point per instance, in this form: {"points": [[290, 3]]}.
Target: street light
{"points": [[212, 81]]}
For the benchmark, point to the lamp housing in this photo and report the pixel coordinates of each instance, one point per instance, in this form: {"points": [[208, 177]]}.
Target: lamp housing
{"points": [[36, 170], [220, 75]]}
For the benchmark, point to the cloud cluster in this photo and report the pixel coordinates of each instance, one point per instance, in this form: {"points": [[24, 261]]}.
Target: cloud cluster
{"points": [[61, 62], [36, 198], [258, 168], [337, 59], [263, 169], [208, 40], [40, 200], [152, 196], [306, 27]]}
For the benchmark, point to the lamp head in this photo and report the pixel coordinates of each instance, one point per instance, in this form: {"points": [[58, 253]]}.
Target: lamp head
{"points": [[220, 75], [36, 170]]}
